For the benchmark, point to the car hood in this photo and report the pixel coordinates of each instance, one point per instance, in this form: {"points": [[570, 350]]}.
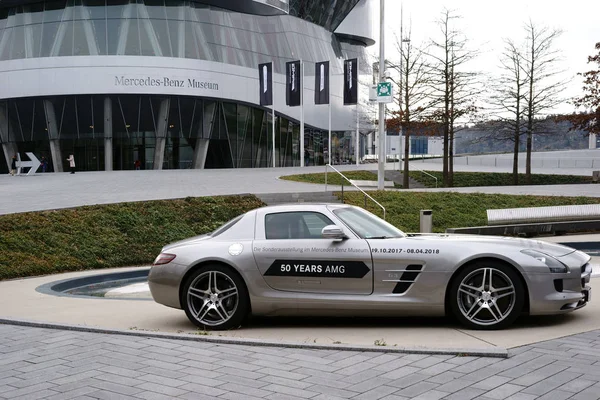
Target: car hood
{"points": [[551, 249], [185, 242]]}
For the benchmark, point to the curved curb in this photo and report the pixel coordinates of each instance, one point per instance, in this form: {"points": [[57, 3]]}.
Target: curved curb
{"points": [[459, 352]]}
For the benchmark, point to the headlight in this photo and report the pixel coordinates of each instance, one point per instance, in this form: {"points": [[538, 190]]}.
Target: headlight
{"points": [[555, 266]]}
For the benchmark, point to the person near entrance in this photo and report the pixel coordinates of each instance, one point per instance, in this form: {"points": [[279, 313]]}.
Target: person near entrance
{"points": [[13, 166], [71, 161]]}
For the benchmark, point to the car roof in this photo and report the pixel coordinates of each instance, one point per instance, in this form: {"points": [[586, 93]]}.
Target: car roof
{"points": [[301, 206]]}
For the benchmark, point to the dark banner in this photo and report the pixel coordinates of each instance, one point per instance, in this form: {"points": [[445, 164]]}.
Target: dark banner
{"points": [[265, 72], [351, 81], [292, 83], [322, 82], [318, 268]]}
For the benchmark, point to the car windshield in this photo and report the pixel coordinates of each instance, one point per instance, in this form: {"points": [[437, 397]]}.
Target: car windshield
{"points": [[367, 225]]}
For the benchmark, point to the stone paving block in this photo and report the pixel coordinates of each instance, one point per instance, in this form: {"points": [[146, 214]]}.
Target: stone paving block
{"points": [[255, 383], [363, 376], [521, 396], [329, 397], [400, 372], [286, 382], [384, 359], [417, 389], [369, 384], [331, 390], [76, 384], [194, 364], [299, 374], [539, 375], [121, 380], [590, 393], [437, 368], [376, 394], [454, 385], [491, 383], [202, 380], [34, 379], [281, 396], [301, 393], [228, 396], [12, 392], [327, 381], [153, 396], [115, 387], [240, 372], [72, 393], [466, 394], [238, 365], [42, 394], [556, 395], [577, 385], [393, 365], [426, 362], [311, 359], [76, 377], [162, 389], [233, 387], [196, 390], [108, 395], [551, 383], [503, 391], [355, 369], [127, 372], [445, 377], [408, 380], [475, 365], [162, 380], [394, 397], [431, 395], [318, 367], [270, 364]]}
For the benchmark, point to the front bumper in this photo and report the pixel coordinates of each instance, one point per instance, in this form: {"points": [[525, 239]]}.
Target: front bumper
{"points": [[560, 293]]}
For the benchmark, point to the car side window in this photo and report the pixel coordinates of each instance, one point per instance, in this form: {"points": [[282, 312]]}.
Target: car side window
{"points": [[295, 225]]}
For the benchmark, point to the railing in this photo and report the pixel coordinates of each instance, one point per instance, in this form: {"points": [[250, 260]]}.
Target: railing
{"points": [[350, 182], [426, 173]]}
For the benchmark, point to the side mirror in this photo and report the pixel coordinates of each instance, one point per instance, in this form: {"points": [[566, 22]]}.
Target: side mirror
{"points": [[333, 232]]}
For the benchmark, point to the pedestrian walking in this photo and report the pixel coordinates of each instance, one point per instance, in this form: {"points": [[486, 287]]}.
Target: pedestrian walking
{"points": [[71, 161], [44, 163], [13, 166]]}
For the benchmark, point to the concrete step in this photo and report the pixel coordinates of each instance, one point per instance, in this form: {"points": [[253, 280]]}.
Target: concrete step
{"points": [[302, 197]]}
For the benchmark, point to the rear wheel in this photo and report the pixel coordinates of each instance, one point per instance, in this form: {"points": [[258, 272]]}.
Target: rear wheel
{"points": [[215, 298], [487, 295]]}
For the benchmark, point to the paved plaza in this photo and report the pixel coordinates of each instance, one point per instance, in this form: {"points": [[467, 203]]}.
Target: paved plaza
{"points": [[38, 363]]}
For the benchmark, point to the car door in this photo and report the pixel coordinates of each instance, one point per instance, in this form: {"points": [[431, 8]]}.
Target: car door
{"points": [[292, 255]]}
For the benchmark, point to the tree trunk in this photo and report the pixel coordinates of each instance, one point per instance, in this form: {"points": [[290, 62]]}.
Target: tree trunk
{"points": [[516, 155], [405, 181]]}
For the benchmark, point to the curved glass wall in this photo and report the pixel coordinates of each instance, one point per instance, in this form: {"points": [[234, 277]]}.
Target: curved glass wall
{"points": [[236, 135], [164, 28], [327, 13]]}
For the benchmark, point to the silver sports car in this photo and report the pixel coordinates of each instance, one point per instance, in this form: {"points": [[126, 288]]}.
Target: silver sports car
{"points": [[333, 260]]}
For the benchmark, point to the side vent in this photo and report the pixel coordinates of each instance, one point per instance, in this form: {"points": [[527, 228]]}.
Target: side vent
{"points": [[407, 278]]}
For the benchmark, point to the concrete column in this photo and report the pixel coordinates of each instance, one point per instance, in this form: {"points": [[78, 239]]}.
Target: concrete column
{"points": [[108, 135], [9, 149], [592, 141], [161, 133], [200, 153], [52, 126]]}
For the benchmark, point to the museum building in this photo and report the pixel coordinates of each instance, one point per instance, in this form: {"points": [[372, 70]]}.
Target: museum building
{"points": [[173, 84]]}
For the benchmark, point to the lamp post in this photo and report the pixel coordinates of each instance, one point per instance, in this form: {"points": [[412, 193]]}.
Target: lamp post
{"points": [[381, 164]]}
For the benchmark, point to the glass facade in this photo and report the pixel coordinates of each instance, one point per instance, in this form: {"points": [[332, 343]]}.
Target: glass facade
{"points": [[170, 28], [327, 13], [237, 135]]}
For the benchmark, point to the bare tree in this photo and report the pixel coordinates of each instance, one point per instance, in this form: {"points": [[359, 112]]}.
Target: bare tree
{"points": [[509, 98], [453, 88], [544, 83], [414, 94]]}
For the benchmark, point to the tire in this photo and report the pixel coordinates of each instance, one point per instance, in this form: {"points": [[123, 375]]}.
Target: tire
{"points": [[481, 306], [215, 298]]}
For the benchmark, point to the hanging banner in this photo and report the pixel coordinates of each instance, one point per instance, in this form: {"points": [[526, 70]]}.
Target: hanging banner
{"points": [[322, 82], [350, 81], [265, 72], [292, 83]]}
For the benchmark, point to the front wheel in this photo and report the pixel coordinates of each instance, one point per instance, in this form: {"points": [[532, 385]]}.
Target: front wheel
{"points": [[487, 295], [215, 298]]}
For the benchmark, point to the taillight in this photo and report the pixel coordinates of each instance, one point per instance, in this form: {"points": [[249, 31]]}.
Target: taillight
{"points": [[164, 258]]}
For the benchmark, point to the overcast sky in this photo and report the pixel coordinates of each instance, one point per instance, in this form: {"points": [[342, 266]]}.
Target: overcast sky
{"points": [[486, 23]]}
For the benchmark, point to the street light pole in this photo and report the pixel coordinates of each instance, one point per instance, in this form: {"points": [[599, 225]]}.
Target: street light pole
{"points": [[381, 166]]}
